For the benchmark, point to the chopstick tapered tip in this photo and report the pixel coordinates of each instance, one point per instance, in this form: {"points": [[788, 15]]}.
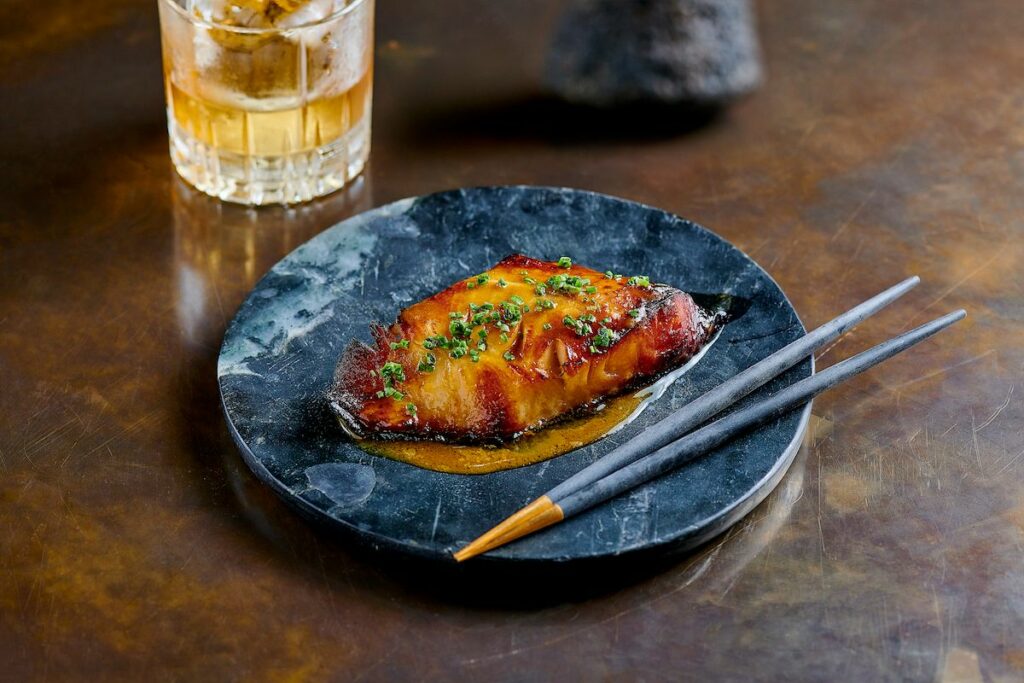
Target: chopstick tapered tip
{"points": [[535, 516], [946, 320], [901, 288]]}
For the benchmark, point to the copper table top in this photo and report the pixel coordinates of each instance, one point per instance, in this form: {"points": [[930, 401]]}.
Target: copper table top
{"points": [[888, 140]]}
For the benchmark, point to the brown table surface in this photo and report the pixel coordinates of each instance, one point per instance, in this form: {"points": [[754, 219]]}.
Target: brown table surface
{"points": [[134, 545]]}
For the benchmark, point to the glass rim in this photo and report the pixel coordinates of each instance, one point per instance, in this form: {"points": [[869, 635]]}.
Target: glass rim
{"points": [[257, 31]]}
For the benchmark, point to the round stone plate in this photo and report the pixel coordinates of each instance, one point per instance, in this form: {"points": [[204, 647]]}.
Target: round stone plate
{"points": [[280, 351]]}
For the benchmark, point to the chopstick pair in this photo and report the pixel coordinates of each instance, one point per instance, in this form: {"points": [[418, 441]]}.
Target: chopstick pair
{"points": [[664, 447]]}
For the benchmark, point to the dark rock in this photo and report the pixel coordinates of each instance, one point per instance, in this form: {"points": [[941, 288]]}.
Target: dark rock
{"points": [[695, 52]]}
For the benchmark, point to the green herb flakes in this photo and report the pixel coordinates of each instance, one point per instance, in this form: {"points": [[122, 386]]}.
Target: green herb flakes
{"points": [[459, 329], [392, 372], [567, 284], [458, 348], [604, 338], [438, 341], [511, 312], [639, 281], [427, 363]]}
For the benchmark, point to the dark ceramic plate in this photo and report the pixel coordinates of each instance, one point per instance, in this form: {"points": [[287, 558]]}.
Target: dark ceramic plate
{"points": [[280, 351]]}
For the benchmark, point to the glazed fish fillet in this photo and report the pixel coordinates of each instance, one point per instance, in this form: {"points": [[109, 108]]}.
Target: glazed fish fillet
{"points": [[515, 348]]}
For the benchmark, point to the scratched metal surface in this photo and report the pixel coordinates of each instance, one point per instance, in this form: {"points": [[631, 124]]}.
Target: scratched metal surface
{"points": [[134, 545]]}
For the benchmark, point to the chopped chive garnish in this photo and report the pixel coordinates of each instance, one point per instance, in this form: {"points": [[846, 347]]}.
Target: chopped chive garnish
{"points": [[590, 290], [459, 329], [392, 372], [474, 355], [546, 326], [510, 311], [410, 408], [541, 290], [502, 283], [567, 284], [503, 327], [400, 344], [458, 348], [481, 346], [565, 262], [609, 274], [487, 306], [482, 334], [639, 281], [427, 363], [606, 321], [508, 356], [634, 313], [503, 338], [518, 300], [580, 327], [604, 338], [482, 278], [528, 280], [438, 341]]}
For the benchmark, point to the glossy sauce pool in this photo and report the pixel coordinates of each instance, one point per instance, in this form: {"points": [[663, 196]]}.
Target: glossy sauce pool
{"points": [[526, 450]]}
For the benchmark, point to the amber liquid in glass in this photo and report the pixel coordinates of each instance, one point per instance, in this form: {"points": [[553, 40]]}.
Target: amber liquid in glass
{"points": [[270, 127]]}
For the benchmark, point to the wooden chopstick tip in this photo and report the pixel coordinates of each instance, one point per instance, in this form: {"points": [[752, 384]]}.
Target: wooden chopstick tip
{"points": [[540, 513]]}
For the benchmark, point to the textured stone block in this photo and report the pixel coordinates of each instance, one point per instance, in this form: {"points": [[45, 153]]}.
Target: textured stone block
{"points": [[612, 52]]}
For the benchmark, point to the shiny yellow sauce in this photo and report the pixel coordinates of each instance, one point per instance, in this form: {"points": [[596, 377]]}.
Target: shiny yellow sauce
{"points": [[526, 450]]}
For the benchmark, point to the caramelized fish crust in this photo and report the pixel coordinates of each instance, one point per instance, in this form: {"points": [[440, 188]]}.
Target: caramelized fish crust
{"points": [[574, 347]]}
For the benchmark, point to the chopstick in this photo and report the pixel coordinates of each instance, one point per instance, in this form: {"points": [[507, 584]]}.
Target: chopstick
{"points": [[710, 404], [698, 442]]}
